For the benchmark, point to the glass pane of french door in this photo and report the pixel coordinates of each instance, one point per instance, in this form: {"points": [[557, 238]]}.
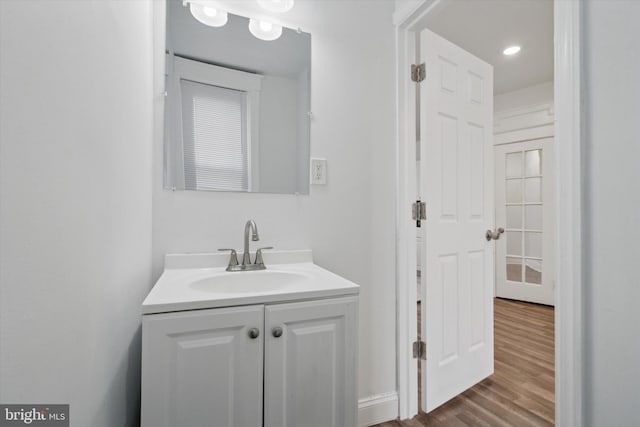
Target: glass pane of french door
{"points": [[523, 209]]}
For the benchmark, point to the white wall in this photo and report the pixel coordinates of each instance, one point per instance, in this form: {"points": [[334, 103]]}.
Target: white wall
{"points": [[75, 204], [612, 209], [528, 96], [304, 131], [279, 135], [401, 5], [348, 223]]}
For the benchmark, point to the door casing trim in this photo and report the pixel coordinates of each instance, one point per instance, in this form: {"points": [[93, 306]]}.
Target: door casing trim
{"points": [[568, 207]]}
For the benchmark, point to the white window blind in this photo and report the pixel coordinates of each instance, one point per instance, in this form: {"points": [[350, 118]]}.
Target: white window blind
{"points": [[214, 128]]}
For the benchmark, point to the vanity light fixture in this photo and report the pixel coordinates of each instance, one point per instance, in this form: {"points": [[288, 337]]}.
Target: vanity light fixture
{"points": [[278, 6], [207, 14], [265, 30], [511, 50]]}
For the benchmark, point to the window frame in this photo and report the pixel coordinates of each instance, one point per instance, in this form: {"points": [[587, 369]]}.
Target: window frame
{"points": [[179, 69]]}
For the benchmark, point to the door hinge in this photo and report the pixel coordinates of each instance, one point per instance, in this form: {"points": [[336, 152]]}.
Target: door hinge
{"points": [[419, 350], [418, 212], [418, 72]]}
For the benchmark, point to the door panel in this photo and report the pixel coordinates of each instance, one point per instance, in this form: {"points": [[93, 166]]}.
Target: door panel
{"points": [[310, 369], [524, 208], [176, 348], [456, 121]]}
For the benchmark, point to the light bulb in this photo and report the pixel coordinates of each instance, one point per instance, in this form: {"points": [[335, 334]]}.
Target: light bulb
{"points": [[278, 6], [209, 11], [511, 50], [208, 15], [264, 30], [266, 26]]}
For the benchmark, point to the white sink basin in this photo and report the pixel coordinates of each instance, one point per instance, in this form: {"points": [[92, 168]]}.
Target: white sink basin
{"points": [[199, 281], [244, 282]]}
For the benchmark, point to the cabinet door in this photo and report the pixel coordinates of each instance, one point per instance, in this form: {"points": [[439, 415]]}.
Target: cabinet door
{"points": [[201, 368], [310, 370]]}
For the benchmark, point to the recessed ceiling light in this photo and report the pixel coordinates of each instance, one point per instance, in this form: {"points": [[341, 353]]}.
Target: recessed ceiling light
{"points": [[511, 50]]}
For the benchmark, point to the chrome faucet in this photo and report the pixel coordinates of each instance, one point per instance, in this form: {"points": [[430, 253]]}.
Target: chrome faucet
{"points": [[258, 264], [249, 226]]}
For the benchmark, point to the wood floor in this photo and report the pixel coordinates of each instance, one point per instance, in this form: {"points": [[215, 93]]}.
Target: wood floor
{"points": [[521, 390]]}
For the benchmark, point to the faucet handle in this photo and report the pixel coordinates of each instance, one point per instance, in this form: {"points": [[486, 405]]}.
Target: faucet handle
{"points": [[259, 260], [233, 259]]}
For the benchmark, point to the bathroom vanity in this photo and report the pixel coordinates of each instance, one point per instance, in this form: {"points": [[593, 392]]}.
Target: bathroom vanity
{"points": [[273, 347]]}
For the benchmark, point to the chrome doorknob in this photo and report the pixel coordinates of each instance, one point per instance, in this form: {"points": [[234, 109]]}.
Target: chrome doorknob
{"points": [[277, 332], [494, 235], [254, 333]]}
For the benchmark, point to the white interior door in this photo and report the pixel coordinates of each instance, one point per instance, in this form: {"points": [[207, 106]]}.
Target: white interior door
{"points": [[456, 122], [524, 208]]}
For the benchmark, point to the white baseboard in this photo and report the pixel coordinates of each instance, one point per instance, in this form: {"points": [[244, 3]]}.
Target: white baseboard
{"points": [[377, 408]]}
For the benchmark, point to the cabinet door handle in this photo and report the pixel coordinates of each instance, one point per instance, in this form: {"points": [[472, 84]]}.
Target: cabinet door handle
{"points": [[254, 333], [277, 331]]}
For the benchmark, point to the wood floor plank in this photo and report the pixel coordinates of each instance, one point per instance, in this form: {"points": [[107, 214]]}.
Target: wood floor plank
{"points": [[521, 392]]}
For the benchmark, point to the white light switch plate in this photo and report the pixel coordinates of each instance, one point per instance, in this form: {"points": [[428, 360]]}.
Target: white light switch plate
{"points": [[318, 171]]}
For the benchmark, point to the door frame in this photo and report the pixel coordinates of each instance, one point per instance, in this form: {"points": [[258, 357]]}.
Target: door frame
{"points": [[409, 20]]}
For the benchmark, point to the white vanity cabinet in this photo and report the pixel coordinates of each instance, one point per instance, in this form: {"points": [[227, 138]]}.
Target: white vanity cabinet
{"points": [[310, 370], [201, 368], [207, 367]]}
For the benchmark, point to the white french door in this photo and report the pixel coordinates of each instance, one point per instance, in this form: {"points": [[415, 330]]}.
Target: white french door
{"points": [[457, 182], [524, 208]]}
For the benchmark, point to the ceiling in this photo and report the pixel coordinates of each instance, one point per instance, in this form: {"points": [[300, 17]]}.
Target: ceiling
{"points": [[486, 27]]}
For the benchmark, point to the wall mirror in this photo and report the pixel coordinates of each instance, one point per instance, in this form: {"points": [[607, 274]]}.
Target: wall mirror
{"points": [[237, 107]]}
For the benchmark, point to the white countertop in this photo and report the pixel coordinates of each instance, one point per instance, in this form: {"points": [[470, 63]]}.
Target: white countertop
{"points": [[182, 285]]}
